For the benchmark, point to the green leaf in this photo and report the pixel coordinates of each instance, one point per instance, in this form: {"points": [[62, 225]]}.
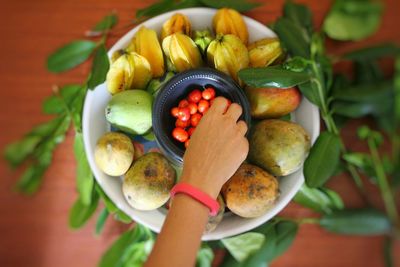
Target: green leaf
{"points": [[286, 232], [272, 77], [70, 55], [16, 153], [239, 5], [241, 246], [111, 207], [165, 6], [321, 200], [101, 221], [363, 162], [310, 91], [365, 93], [136, 254], [84, 176], [66, 94], [100, 67], [277, 240], [352, 20], [114, 256], [356, 222], [293, 37], [122, 217], [265, 253], [205, 256], [367, 72], [80, 213], [299, 14], [322, 161], [373, 52], [107, 23], [32, 178]]}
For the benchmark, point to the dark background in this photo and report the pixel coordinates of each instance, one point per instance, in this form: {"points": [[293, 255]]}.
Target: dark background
{"points": [[33, 230]]}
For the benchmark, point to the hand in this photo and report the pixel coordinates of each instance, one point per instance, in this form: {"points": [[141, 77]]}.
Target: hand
{"points": [[217, 148]]}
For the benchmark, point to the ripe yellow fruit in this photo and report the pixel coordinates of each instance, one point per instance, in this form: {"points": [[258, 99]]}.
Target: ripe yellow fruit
{"points": [[177, 23], [146, 44], [229, 21], [264, 52], [182, 52], [228, 54]]}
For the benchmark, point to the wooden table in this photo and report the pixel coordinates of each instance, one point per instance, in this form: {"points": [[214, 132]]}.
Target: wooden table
{"points": [[33, 230]]}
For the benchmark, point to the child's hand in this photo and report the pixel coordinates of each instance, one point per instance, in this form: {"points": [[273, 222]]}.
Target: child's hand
{"points": [[217, 148]]}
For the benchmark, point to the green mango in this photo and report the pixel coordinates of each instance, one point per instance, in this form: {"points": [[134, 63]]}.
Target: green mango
{"points": [[130, 111]]}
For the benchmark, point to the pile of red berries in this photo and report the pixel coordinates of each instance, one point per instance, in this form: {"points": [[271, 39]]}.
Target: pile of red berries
{"points": [[189, 111]]}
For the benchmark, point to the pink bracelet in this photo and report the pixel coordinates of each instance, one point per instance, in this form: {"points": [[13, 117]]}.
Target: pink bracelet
{"points": [[198, 195]]}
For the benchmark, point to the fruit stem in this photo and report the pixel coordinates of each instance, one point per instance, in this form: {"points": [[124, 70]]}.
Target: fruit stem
{"points": [[331, 127], [383, 183]]}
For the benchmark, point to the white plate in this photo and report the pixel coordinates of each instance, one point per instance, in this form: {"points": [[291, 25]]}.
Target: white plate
{"points": [[95, 125]]}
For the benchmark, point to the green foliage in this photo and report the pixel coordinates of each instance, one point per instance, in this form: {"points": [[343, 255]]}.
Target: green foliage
{"points": [[272, 77], [130, 249], [169, 5], [205, 256], [107, 23], [100, 67], [80, 213], [353, 19], [241, 246], [84, 176], [322, 200], [356, 222], [323, 159], [239, 5], [101, 220], [70, 55], [279, 235]]}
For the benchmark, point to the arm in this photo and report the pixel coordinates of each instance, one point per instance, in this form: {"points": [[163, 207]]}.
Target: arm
{"points": [[216, 150]]}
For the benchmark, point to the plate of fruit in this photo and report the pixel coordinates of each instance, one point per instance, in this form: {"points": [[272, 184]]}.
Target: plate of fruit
{"points": [[163, 77]]}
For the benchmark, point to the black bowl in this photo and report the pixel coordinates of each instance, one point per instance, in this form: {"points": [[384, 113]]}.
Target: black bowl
{"points": [[177, 89]]}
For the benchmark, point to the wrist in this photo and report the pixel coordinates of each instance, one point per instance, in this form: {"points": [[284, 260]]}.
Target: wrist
{"points": [[210, 188]]}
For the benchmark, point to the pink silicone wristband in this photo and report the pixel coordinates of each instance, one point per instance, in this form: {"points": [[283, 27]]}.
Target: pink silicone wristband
{"points": [[198, 195]]}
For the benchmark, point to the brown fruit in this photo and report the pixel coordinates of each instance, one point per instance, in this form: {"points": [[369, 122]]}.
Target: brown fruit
{"points": [[279, 147], [177, 23], [266, 103], [148, 182], [251, 191], [229, 21]]}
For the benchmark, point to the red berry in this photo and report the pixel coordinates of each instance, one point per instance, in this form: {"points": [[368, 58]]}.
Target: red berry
{"points": [[183, 103], [184, 114], [191, 130], [208, 93], [187, 143], [175, 111], [203, 106], [195, 119], [192, 108], [182, 124], [180, 134], [194, 96]]}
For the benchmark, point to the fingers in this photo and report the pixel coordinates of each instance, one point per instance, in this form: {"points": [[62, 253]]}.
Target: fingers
{"points": [[219, 105], [242, 127], [234, 111]]}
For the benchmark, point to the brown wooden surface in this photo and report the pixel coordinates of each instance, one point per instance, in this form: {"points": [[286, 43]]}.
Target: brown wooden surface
{"points": [[33, 230]]}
